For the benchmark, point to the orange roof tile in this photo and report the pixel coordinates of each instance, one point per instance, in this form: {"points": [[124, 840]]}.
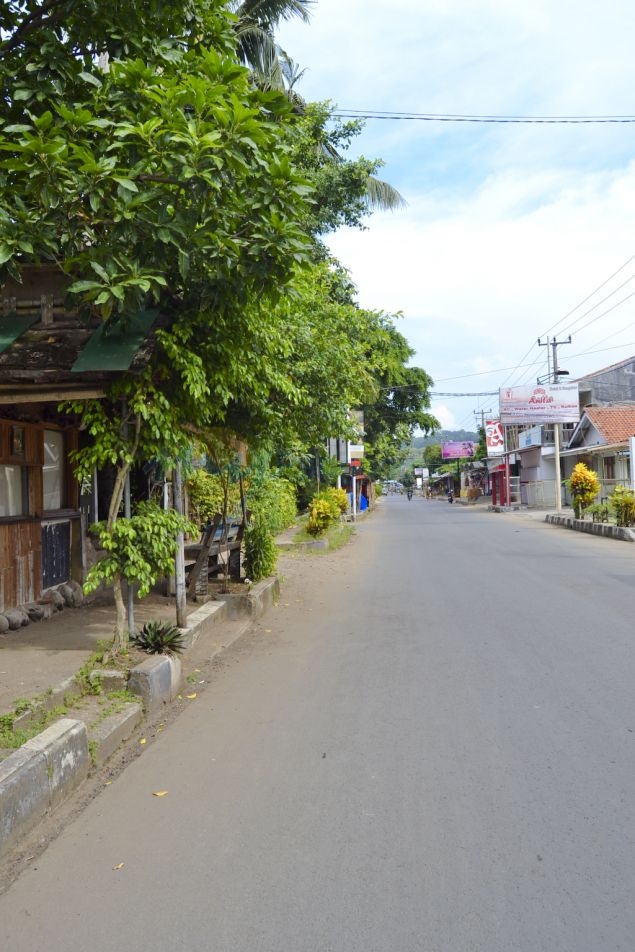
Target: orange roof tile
{"points": [[615, 424]]}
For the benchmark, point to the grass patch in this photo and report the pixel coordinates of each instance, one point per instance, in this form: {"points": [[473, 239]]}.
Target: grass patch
{"points": [[336, 536]]}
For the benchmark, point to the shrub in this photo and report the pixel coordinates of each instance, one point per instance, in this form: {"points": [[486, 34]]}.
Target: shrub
{"points": [[340, 499], [599, 512], [326, 508], [139, 549], [584, 486], [261, 554], [622, 502], [158, 637], [272, 498], [205, 494], [320, 516]]}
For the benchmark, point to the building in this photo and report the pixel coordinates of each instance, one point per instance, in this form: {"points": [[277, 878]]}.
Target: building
{"points": [[530, 451], [49, 355]]}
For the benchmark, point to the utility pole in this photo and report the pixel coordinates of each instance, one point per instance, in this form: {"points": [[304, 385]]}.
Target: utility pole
{"points": [[556, 427], [482, 414]]}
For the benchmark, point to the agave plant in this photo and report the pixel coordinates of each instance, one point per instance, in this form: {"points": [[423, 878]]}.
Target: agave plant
{"points": [[158, 637]]}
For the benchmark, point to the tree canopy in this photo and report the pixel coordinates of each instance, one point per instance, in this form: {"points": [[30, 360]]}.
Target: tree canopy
{"points": [[138, 154]]}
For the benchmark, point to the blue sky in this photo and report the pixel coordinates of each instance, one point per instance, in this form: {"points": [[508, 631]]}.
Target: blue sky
{"points": [[508, 228]]}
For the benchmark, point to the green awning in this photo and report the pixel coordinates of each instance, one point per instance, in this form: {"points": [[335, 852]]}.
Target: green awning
{"points": [[113, 347], [13, 325]]}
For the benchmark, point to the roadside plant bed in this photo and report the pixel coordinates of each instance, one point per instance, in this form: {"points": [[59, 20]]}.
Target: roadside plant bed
{"points": [[335, 536], [13, 735]]}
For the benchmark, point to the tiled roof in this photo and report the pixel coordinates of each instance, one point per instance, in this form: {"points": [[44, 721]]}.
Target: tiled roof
{"points": [[615, 424]]}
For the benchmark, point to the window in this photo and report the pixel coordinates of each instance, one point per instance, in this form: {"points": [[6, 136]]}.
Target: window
{"points": [[609, 467], [12, 490], [53, 470]]}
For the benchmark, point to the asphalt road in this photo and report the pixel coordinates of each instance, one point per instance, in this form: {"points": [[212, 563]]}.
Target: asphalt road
{"points": [[429, 745]]}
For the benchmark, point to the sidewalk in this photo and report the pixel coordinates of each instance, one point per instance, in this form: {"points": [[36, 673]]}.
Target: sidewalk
{"points": [[45, 653]]}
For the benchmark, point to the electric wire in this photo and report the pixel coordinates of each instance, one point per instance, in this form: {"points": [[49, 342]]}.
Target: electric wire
{"points": [[451, 117], [521, 362]]}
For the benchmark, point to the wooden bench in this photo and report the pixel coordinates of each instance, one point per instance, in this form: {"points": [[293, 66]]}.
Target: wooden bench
{"points": [[219, 541]]}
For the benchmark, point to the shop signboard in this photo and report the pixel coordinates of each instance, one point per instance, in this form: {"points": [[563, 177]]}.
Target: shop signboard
{"points": [[494, 438], [544, 403]]}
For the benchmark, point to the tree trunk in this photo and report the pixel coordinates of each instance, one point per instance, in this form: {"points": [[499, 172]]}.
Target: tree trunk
{"points": [[120, 639]]}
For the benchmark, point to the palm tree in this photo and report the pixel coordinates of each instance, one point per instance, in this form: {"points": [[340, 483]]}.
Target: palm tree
{"points": [[272, 68], [257, 20]]}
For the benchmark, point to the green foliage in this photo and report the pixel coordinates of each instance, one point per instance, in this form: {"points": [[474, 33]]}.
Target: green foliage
{"points": [[206, 495], [599, 512], [158, 637], [401, 394], [139, 549], [272, 499], [584, 485], [340, 185], [260, 552], [622, 502]]}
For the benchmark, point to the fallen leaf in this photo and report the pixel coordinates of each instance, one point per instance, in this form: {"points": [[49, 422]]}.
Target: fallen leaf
{"points": [[160, 793], [143, 741], [108, 782], [190, 697], [268, 630], [118, 866]]}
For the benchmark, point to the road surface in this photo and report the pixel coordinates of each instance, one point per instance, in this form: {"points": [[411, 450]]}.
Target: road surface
{"points": [[427, 747]]}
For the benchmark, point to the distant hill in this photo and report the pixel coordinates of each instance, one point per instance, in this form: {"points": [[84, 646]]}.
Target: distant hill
{"points": [[444, 436]]}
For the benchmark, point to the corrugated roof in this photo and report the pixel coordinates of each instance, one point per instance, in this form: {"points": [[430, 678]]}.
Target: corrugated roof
{"points": [[603, 370], [13, 326], [113, 348], [615, 424]]}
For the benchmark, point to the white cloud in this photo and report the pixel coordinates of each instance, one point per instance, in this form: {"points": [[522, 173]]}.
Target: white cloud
{"points": [[508, 227]]}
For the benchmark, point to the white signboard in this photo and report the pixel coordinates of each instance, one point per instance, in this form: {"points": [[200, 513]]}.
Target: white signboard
{"points": [[547, 403], [494, 438]]}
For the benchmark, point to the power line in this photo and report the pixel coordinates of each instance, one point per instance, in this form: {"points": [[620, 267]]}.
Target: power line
{"points": [[572, 311], [451, 117]]}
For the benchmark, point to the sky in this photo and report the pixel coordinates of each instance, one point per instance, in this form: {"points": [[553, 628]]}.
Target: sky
{"points": [[513, 232]]}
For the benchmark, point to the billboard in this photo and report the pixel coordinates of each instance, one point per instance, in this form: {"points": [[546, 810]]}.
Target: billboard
{"points": [[545, 403], [457, 450], [494, 438]]}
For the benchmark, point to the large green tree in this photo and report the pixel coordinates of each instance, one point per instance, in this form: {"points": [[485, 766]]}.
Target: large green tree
{"points": [[137, 155], [402, 403]]}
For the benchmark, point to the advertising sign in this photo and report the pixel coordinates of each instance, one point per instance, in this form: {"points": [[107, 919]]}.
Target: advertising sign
{"points": [[456, 450], [546, 403], [494, 438]]}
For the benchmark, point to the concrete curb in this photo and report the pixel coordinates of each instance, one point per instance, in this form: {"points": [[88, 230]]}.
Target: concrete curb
{"points": [[107, 735], [593, 528], [41, 774], [156, 681], [260, 598]]}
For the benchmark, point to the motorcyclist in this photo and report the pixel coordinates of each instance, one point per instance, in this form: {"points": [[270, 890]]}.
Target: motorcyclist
{"points": [[409, 492]]}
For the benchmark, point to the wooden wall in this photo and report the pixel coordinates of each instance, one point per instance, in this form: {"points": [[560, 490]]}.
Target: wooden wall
{"points": [[20, 563], [22, 537]]}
